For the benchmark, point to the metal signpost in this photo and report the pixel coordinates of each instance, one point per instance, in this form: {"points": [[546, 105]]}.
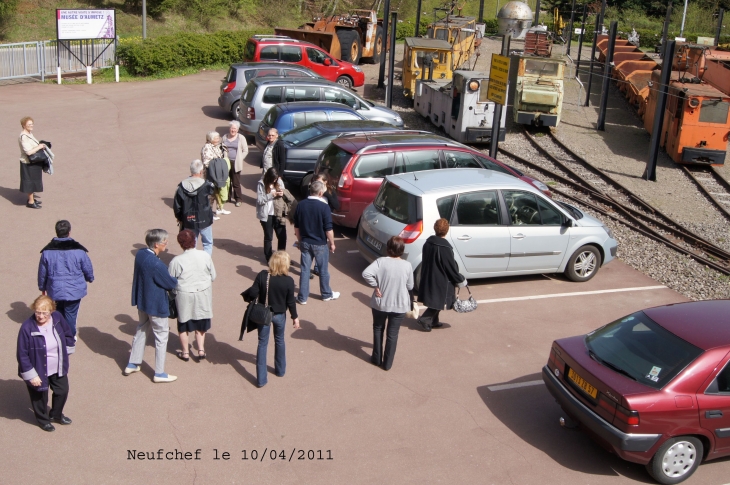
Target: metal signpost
{"points": [[720, 16], [497, 91], [661, 104], [85, 25], [601, 125], [381, 73], [391, 61]]}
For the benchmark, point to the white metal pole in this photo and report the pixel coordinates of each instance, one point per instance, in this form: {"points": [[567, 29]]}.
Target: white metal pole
{"points": [[88, 74], [58, 74], [144, 19], [684, 16], [116, 72]]}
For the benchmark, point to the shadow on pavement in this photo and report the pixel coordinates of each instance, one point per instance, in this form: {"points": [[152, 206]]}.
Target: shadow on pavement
{"points": [[14, 196], [221, 353], [216, 112], [168, 201], [532, 414], [15, 403], [330, 339], [238, 248], [19, 312], [107, 345]]}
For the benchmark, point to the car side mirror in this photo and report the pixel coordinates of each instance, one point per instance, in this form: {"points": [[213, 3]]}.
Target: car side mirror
{"points": [[568, 223], [327, 62]]}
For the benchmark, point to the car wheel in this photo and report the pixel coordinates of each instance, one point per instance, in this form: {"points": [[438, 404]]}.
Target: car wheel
{"points": [[676, 460], [236, 110], [583, 264], [345, 82], [304, 187]]}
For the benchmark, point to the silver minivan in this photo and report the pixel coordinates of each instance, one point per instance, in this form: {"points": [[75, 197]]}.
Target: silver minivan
{"points": [[261, 94], [500, 225]]}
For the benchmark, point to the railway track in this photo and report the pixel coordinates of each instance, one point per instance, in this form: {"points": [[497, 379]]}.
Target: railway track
{"points": [[588, 185], [710, 183]]}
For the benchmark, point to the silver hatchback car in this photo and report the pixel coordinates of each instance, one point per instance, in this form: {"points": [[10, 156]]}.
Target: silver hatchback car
{"points": [[500, 225], [261, 94]]}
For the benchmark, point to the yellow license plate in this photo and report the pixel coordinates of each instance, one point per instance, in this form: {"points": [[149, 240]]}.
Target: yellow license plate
{"points": [[580, 382]]}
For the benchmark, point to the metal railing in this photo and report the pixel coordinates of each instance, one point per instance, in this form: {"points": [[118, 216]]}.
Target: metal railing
{"points": [[39, 59]]}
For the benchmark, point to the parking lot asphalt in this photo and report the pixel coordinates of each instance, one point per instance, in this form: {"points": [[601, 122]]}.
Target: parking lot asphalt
{"points": [[446, 412]]}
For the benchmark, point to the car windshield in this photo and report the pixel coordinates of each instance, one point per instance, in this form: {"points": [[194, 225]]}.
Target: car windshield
{"points": [[397, 204], [642, 350], [301, 135]]}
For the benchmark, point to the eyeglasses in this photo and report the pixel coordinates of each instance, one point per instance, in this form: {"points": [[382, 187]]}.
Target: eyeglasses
{"points": [[43, 314]]}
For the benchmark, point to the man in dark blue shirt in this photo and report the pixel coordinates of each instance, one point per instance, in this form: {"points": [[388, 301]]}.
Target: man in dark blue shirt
{"points": [[313, 228]]}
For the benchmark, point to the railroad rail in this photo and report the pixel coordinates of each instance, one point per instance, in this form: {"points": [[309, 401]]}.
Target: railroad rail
{"points": [[711, 183], [610, 198]]}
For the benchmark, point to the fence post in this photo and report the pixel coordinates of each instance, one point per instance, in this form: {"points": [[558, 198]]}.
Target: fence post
{"points": [[661, 103], [601, 125]]}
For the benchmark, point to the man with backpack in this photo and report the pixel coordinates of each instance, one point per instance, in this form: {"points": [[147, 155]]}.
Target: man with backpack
{"points": [[192, 205]]}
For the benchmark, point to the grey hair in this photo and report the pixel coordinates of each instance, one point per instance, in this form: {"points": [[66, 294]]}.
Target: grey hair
{"points": [[316, 188], [235, 123], [273, 131], [154, 237], [211, 136], [196, 166]]}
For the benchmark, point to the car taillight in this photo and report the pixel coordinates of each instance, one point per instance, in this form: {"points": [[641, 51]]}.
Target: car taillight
{"points": [[345, 182], [229, 87], [411, 232], [250, 113], [627, 416], [556, 360], [609, 406]]}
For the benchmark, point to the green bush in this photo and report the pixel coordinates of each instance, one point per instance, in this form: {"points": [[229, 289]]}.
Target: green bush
{"points": [[171, 52], [406, 28], [490, 26]]}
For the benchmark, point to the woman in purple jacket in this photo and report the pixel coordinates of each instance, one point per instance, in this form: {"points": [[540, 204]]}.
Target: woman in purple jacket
{"points": [[45, 341]]}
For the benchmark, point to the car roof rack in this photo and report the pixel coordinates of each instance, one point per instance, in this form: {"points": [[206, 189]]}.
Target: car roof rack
{"points": [[370, 132], [270, 36], [435, 143]]}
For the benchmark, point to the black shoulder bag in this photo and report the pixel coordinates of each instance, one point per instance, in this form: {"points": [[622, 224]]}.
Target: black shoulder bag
{"points": [[261, 314]]}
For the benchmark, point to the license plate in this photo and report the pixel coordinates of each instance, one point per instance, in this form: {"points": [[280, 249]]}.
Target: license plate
{"points": [[580, 382], [376, 244]]}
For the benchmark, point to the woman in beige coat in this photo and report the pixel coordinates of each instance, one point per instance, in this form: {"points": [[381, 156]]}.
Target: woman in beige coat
{"points": [[195, 274], [31, 176], [237, 148]]}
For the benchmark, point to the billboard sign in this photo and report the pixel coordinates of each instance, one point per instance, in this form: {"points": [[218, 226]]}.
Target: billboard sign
{"points": [[80, 24], [498, 76]]}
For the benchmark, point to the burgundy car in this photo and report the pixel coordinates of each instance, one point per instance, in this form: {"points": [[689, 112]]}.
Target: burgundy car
{"points": [[652, 387]]}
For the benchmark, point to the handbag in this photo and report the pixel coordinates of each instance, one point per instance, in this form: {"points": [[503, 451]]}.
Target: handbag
{"points": [[172, 304], [414, 311], [465, 306], [40, 157], [262, 314]]}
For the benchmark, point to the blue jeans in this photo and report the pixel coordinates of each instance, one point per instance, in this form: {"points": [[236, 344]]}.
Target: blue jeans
{"points": [[70, 311], [279, 323], [322, 256], [207, 236]]}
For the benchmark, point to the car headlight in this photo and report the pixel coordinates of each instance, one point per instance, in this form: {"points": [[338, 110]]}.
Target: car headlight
{"points": [[608, 231], [398, 119], [541, 186], [357, 69]]}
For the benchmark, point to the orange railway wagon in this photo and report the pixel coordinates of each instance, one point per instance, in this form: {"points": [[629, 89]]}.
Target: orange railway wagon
{"points": [[696, 124]]}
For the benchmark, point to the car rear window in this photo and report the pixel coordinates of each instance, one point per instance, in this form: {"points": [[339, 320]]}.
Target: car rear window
{"points": [[249, 51], [269, 53], [271, 116], [248, 92], [397, 204], [301, 135], [641, 349], [291, 53], [231, 76], [333, 161], [272, 96]]}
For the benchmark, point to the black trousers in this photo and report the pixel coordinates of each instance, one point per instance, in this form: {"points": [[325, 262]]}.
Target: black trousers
{"points": [[271, 226], [39, 399], [235, 194], [430, 317], [385, 359]]}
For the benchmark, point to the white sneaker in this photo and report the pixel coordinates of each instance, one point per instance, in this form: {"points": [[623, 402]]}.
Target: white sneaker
{"points": [[335, 295], [164, 378], [216, 218], [222, 211]]}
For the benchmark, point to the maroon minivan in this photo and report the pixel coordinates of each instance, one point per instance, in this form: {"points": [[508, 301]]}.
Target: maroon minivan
{"points": [[652, 387], [360, 163]]}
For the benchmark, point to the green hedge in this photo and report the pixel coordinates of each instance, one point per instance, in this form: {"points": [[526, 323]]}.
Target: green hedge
{"points": [[170, 52]]}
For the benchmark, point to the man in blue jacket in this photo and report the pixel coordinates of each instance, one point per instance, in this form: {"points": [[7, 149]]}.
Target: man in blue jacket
{"points": [[63, 271], [150, 284]]}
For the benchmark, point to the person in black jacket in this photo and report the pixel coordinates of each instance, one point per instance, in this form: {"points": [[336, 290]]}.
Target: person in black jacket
{"points": [[280, 297], [274, 153], [439, 275], [330, 195], [192, 205]]}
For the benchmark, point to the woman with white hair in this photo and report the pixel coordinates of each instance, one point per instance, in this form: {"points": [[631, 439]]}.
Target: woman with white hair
{"points": [[237, 148], [213, 148]]}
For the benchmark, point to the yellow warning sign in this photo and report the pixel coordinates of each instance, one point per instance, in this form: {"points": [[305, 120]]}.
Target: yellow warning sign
{"points": [[498, 75]]}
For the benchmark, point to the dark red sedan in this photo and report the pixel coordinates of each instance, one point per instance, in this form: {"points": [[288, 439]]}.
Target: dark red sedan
{"points": [[652, 387]]}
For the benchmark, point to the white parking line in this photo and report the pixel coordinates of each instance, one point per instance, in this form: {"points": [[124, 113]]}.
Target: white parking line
{"points": [[502, 387], [561, 295], [353, 251]]}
